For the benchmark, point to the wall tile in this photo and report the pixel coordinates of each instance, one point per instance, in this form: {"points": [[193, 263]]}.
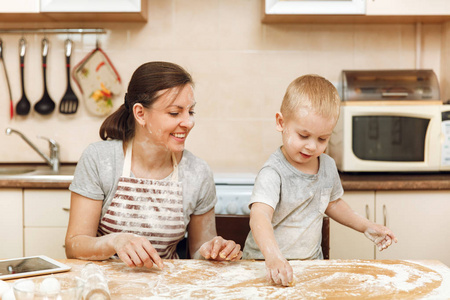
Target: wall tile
{"points": [[241, 68]]}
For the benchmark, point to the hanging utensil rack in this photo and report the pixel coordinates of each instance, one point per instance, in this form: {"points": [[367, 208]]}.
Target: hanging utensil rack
{"points": [[56, 31]]}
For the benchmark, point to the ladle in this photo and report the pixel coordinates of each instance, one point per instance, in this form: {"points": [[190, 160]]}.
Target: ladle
{"points": [[23, 106], [46, 105]]}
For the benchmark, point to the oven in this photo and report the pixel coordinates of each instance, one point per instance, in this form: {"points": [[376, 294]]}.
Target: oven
{"points": [[233, 192], [233, 214]]}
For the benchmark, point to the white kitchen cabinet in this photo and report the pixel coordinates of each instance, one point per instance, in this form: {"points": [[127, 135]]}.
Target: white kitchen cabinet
{"points": [[74, 10], [407, 7], [19, 6], [11, 223], [90, 5], [355, 11], [45, 241], [355, 7], [46, 216], [315, 7], [95, 10], [419, 219], [421, 222], [346, 243]]}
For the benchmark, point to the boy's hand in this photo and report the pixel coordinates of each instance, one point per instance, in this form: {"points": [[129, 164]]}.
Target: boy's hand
{"points": [[279, 271], [380, 235], [220, 249]]}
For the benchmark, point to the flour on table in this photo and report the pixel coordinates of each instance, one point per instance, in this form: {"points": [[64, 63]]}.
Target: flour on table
{"points": [[366, 279]]}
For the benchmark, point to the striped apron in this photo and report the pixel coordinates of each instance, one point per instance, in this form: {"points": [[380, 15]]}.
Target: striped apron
{"points": [[147, 207]]}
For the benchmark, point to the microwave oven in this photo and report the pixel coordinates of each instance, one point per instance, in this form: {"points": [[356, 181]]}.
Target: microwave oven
{"points": [[407, 137]]}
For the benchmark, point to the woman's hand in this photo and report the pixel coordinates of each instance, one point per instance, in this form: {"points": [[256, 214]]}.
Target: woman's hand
{"points": [[136, 251], [220, 249], [380, 236], [279, 271]]}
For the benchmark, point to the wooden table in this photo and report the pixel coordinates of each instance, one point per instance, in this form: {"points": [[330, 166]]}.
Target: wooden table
{"points": [[320, 279]]}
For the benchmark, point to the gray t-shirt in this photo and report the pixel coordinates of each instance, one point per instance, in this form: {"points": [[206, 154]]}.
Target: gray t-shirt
{"points": [[299, 201], [100, 166]]}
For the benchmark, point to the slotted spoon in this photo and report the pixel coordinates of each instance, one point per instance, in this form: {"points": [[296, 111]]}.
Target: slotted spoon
{"points": [[69, 102]]}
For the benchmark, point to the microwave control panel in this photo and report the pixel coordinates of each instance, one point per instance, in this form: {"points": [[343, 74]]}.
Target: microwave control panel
{"points": [[445, 129]]}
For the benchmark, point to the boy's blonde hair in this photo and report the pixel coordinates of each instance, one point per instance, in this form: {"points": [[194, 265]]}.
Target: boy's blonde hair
{"points": [[313, 92]]}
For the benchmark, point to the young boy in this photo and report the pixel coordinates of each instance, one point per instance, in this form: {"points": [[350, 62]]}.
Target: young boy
{"points": [[299, 184]]}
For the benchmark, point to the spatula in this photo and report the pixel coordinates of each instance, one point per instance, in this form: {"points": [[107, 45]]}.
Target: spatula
{"points": [[46, 105], [69, 102]]}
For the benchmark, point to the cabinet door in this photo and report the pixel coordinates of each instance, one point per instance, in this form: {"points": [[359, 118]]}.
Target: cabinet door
{"points": [[315, 7], [46, 208], [90, 6], [346, 243], [45, 241], [19, 6], [11, 223], [420, 221], [46, 216], [407, 7]]}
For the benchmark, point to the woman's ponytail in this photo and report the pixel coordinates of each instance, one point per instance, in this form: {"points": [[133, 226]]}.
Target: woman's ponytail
{"points": [[119, 125]]}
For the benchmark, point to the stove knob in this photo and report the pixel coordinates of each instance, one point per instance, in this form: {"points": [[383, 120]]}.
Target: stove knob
{"points": [[232, 208]]}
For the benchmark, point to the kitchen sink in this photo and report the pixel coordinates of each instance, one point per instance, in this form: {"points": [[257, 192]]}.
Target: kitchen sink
{"points": [[15, 170], [36, 172]]}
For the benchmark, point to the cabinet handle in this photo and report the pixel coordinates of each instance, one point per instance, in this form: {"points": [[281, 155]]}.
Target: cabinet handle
{"points": [[367, 212], [65, 209], [384, 214]]}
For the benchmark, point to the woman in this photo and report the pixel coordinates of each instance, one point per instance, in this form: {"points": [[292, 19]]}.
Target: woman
{"points": [[136, 193]]}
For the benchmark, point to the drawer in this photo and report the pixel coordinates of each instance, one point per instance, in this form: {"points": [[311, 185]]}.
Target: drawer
{"points": [[11, 223], [46, 208], [45, 241]]}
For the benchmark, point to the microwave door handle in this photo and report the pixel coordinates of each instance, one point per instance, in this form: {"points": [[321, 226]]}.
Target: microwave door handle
{"points": [[393, 94]]}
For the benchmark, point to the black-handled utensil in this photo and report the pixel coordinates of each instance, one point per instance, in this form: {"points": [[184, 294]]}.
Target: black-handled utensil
{"points": [[11, 110], [69, 102], [46, 105], [23, 106]]}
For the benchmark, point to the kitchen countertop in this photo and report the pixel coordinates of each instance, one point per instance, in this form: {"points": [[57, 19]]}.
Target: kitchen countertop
{"points": [[395, 181], [350, 181], [38, 183], [246, 279]]}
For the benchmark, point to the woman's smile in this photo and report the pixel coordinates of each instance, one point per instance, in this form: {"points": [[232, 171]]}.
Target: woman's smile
{"points": [[179, 136]]}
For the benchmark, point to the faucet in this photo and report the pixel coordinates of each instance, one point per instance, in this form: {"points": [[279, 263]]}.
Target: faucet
{"points": [[53, 160]]}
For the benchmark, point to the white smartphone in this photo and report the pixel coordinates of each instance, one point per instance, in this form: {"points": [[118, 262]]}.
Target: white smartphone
{"points": [[30, 266]]}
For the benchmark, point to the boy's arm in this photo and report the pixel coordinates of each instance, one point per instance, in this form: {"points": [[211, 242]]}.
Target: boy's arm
{"points": [[341, 212], [278, 268]]}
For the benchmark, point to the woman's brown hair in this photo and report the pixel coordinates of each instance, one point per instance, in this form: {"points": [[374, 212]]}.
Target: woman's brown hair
{"points": [[144, 87]]}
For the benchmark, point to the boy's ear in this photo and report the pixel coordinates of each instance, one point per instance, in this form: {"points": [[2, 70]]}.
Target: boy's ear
{"points": [[139, 113], [280, 121]]}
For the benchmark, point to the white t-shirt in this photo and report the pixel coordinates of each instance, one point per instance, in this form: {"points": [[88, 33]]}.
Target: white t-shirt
{"points": [[299, 201], [100, 166]]}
